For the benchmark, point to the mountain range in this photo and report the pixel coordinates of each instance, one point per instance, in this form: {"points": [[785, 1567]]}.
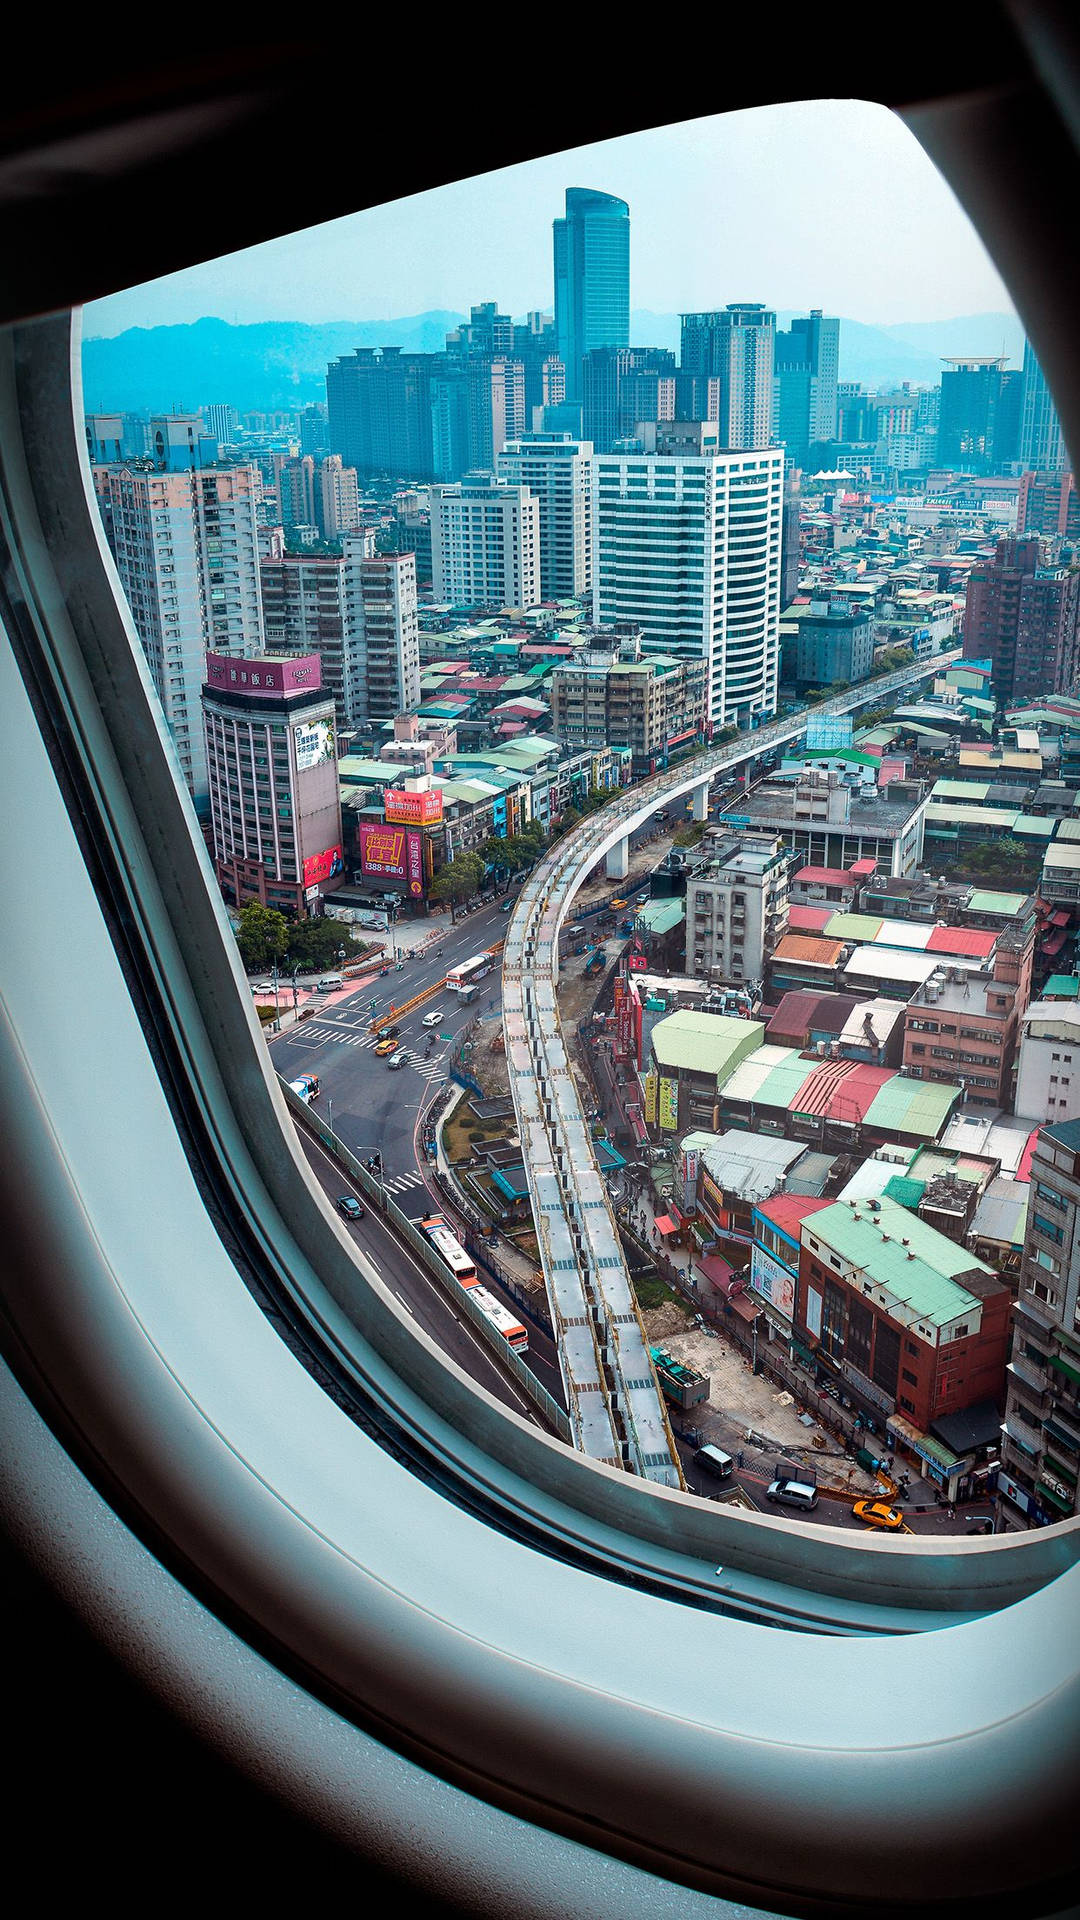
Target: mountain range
{"points": [[282, 364]]}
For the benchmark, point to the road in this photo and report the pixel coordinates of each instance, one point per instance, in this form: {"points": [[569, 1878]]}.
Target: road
{"points": [[422, 1298], [368, 1107]]}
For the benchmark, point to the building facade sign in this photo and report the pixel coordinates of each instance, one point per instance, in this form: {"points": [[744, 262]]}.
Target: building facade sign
{"points": [[313, 742], [323, 866], [669, 1104], [413, 809], [650, 1099], [867, 1388], [773, 1282]]}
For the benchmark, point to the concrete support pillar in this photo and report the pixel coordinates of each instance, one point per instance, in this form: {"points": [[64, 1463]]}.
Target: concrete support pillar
{"points": [[701, 801], [617, 865]]}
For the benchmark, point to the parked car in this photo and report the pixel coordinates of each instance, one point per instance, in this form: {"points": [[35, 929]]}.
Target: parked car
{"points": [[876, 1513], [389, 1045], [350, 1208], [792, 1493]]}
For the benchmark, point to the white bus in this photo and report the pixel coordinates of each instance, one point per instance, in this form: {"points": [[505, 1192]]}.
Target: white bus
{"points": [[468, 971], [501, 1319], [450, 1249]]}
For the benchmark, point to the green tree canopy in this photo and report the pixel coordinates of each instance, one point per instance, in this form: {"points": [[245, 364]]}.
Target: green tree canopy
{"points": [[316, 943], [459, 879], [262, 936]]}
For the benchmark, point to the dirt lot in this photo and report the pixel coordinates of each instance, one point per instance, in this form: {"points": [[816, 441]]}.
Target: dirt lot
{"points": [[744, 1399]]}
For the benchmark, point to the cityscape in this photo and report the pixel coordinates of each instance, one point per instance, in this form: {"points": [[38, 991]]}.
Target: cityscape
{"points": [[644, 787]]}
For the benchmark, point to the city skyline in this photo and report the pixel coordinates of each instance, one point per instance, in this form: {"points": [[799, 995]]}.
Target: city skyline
{"points": [[836, 207]]}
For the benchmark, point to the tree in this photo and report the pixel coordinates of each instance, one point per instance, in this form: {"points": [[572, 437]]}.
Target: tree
{"points": [[459, 879], [316, 943], [262, 936]]}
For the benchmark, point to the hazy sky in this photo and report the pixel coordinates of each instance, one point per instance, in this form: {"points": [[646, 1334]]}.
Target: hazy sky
{"points": [[827, 204]]}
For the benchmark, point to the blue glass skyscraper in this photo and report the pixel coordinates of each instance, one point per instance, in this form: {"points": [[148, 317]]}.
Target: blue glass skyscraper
{"points": [[592, 278]]}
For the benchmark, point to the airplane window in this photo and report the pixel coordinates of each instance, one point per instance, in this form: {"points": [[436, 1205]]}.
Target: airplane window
{"points": [[608, 1670]]}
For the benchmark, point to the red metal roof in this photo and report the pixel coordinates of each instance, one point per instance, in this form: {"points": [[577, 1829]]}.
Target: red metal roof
{"points": [[1023, 1171], [962, 940], [862, 869], [840, 1089], [808, 950], [825, 876], [786, 1210], [1054, 944], [808, 919]]}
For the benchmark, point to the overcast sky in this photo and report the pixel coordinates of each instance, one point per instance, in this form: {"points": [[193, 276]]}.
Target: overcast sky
{"points": [[828, 204]]}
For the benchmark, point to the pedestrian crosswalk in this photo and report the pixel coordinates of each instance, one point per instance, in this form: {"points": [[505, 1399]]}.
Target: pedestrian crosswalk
{"points": [[404, 1182]]}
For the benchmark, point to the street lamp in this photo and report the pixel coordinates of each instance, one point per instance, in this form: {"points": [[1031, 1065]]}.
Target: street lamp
{"points": [[274, 981], [295, 971], [329, 1113]]}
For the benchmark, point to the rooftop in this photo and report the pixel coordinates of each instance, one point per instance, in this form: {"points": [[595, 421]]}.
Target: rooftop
{"points": [[711, 1043], [907, 1258]]}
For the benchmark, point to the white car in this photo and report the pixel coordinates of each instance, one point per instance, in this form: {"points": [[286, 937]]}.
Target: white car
{"points": [[432, 1019]]}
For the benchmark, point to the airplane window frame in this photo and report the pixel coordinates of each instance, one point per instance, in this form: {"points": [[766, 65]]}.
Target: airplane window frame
{"points": [[187, 1019]]}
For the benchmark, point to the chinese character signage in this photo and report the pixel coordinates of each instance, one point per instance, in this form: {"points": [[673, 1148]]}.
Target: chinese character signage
{"points": [[669, 1105], [423, 809], [393, 853], [650, 1099], [313, 741], [323, 866]]}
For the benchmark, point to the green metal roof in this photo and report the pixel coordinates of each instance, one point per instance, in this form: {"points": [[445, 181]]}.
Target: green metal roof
{"points": [[1061, 986], [907, 1192], [921, 1273], [1033, 826], [921, 1107], [661, 915], [704, 1042], [1007, 904], [853, 926], [971, 790], [782, 1085]]}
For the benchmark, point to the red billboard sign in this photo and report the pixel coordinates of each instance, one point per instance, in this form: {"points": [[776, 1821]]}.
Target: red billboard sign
{"points": [[393, 853], [323, 866], [423, 809]]}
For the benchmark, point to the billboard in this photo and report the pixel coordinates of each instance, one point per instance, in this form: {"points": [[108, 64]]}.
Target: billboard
{"points": [[773, 1281], [313, 742], [413, 809], [650, 1099], [323, 866], [669, 1104], [393, 853]]}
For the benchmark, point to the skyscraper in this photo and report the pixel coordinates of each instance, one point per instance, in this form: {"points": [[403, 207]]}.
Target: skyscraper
{"points": [[592, 279], [688, 546], [970, 396], [622, 385], [1042, 444], [186, 549], [804, 412], [738, 347], [379, 407]]}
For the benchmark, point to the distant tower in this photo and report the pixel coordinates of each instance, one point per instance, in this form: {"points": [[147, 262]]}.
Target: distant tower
{"points": [[737, 347], [592, 279], [1042, 444]]}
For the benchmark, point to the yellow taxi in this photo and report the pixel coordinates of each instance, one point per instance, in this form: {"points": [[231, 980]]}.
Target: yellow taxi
{"points": [[386, 1046], [875, 1513]]}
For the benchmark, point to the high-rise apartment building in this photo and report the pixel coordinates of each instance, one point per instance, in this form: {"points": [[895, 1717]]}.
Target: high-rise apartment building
{"points": [[496, 409], [379, 410], [295, 483], [1042, 443], [613, 694], [179, 441], [314, 431], [1039, 1476], [186, 550], [688, 546], [275, 805], [485, 544], [337, 498], [592, 279], [303, 598], [382, 642], [557, 469], [222, 422], [1024, 617], [804, 398], [1048, 504], [737, 347]]}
